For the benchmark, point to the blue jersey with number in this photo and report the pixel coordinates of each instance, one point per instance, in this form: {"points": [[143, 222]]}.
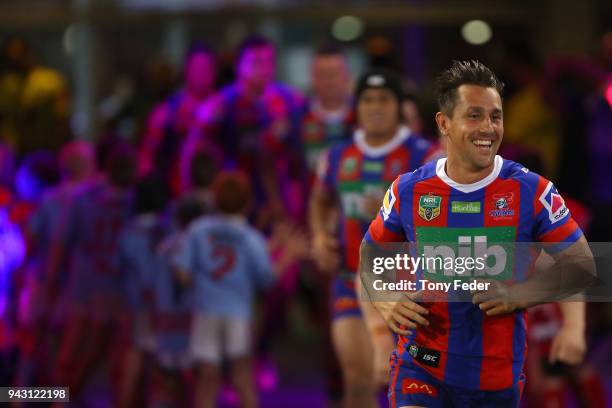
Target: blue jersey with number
{"points": [[228, 260]]}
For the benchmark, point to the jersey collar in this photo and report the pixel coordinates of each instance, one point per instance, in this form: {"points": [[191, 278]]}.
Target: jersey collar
{"points": [[468, 188], [403, 133]]}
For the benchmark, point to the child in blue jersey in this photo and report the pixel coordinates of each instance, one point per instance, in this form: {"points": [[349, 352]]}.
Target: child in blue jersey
{"points": [[226, 261], [136, 260]]}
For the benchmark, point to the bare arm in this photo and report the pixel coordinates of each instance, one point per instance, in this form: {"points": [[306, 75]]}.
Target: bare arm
{"points": [[323, 216], [572, 272]]}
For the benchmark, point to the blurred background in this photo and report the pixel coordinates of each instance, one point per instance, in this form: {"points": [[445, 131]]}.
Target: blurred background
{"points": [[88, 92]]}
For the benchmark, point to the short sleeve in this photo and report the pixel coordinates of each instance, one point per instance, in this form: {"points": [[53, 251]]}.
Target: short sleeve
{"points": [[554, 224], [325, 170], [182, 255], [387, 226], [262, 265]]}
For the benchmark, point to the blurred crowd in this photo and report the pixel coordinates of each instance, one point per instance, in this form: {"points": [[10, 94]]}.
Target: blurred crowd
{"points": [[96, 237]]}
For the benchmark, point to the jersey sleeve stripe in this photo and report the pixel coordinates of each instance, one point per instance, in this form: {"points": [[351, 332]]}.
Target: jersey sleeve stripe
{"points": [[561, 232]]}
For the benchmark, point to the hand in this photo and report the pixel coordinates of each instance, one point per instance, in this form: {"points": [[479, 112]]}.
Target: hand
{"points": [[568, 346], [325, 252], [497, 300], [295, 242], [402, 314]]}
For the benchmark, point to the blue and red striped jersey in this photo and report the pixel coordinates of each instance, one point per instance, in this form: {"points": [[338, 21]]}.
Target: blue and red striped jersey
{"points": [[356, 172], [510, 205]]}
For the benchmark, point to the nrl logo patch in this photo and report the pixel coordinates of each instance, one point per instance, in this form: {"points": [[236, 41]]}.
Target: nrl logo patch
{"points": [[429, 206]]}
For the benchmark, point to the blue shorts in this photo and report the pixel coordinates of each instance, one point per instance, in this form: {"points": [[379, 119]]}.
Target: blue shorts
{"points": [[344, 301], [411, 385]]}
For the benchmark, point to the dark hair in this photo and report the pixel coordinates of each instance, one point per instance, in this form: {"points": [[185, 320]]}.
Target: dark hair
{"points": [[203, 169], [232, 192], [187, 211], [251, 42], [462, 73], [151, 195], [120, 165], [329, 49], [199, 48]]}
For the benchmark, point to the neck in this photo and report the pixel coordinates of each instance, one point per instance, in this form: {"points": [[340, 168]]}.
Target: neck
{"points": [[250, 90], [381, 138], [197, 96], [332, 104], [462, 173]]}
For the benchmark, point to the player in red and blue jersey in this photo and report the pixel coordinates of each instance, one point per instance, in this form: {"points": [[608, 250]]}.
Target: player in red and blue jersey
{"points": [[95, 290], [469, 353], [351, 181], [329, 116], [170, 121], [254, 121]]}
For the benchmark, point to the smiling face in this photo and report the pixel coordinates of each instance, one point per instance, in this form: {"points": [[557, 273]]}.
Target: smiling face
{"points": [[475, 127]]}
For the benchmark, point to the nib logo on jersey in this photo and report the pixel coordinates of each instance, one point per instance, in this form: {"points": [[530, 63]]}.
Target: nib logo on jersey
{"points": [[456, 253], [553, 203]]}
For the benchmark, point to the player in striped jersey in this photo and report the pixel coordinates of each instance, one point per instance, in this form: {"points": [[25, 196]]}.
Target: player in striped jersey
{"points": [[352, 178], [470, 353]]}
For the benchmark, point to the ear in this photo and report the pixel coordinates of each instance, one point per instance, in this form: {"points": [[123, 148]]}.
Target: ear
{"points": [[443, 123]]}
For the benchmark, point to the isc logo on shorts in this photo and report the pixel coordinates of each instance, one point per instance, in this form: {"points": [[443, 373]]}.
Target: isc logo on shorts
{"points": [[412, 386]]}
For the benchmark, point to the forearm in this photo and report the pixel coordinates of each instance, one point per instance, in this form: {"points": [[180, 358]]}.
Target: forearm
{"points": [[322, 213], [572, 273], [574, 315]]}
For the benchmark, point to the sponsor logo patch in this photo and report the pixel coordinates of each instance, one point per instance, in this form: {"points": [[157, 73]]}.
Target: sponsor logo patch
{"points": [[553, 203], [465, 207], [412, 386], [388, 203], [424, 355]]}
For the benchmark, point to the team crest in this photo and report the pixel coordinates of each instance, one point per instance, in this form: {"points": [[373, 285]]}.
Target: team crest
{"points": [[501, 205], [429, 206], [349, 166]]}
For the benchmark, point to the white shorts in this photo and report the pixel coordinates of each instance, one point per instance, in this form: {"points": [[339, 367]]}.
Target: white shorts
{"points": [[214, 338]]}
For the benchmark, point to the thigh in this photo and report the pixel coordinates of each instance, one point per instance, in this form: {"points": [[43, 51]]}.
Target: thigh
{"points": [[237, 337], [206, 339], [353, 346], [412, 386]]}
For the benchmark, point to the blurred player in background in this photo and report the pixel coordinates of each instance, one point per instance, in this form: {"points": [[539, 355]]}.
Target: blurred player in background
{"points": [[351, 181], [88, 243], [254, 122], [225, 260], [329, 117], [136, 260], [42, 318], [170, 121]]}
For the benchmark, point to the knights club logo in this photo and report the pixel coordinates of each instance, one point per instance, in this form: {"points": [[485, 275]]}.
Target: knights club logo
{"points": [[429, 206], [501, 205]]}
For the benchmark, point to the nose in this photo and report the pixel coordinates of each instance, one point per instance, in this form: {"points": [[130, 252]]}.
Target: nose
{"points": [[487, 126]]}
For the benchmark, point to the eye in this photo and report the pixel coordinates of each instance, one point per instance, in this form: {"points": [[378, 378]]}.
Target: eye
{"points": [[473, 115]]}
